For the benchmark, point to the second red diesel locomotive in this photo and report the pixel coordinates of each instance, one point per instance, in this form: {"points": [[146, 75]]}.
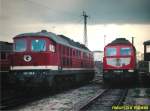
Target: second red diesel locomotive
{"points": [[45, 57], [119, 62]]}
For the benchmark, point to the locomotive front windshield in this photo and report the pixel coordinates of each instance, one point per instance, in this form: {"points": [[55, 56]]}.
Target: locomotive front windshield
{"points": [[38, 45], [125, 51], [111, 52], [20, 45]]}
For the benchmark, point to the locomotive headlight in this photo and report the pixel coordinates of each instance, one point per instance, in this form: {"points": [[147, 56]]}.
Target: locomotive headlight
{"points": [[130, 70]]}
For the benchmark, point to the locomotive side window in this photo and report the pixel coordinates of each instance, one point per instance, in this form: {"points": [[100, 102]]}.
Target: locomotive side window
{"points": [[67, 51], [3, 55], [38, 45], [70, 52], [63, 49], [73, 52], [79, 54], [52, 48], [111, 52], [20, 45], [125, 51]]}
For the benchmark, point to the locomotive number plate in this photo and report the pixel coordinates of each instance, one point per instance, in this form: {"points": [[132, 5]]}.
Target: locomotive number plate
{"points": [[118, 71]]}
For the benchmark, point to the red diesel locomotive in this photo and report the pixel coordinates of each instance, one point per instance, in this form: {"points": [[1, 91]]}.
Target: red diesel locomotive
{"points": [[119, 61], [45, 57]]}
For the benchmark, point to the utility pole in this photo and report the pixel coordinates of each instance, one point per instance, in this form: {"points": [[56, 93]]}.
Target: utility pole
{"points": [[85, 41], [104, 40], [104, 35], [133, 40]]}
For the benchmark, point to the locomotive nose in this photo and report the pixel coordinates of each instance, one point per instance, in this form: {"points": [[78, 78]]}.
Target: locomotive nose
{"points": [[123, 61]]}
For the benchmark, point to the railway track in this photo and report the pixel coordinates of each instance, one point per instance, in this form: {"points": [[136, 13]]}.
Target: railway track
{"points": [[13, 102], [98, 78], [103, 100], [24, 96], [15, 99], [21, 98]]}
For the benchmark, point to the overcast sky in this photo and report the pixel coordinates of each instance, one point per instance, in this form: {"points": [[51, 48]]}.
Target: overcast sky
{"points": [[113, 18]]}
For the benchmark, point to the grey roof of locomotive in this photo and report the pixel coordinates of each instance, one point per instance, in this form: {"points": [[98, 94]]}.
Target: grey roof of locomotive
{"points": [[61, 39], [120, 41]]}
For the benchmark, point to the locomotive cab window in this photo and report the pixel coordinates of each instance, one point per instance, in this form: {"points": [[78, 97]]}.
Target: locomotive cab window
{"points": [[125, 51], [20, 45], [111, 52], [38, 45]]}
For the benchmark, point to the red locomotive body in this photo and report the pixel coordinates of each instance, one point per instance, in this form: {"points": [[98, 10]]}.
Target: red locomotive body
{"points": [[45, 57], [119, 60]]}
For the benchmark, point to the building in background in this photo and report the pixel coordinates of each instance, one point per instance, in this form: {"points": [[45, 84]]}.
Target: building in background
{"points": [[98, 55], [98, 60], [139, 56]]}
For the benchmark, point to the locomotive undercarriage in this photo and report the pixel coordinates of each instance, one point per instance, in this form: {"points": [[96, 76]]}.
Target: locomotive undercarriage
{"points": [[120, 75], [50, 78]]}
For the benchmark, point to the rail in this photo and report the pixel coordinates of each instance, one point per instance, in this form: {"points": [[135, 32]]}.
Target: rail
{"points": [[82, 104]]}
